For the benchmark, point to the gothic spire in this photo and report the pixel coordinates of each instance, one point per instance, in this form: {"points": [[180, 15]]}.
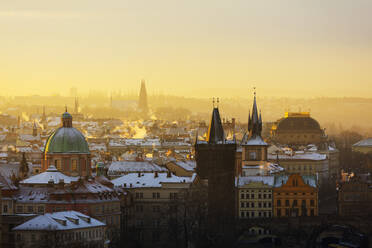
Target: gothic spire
{"points": [[215, 131], [255, 120]]}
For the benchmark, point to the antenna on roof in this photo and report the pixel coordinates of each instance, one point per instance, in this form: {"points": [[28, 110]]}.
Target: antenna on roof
{"points": [[213, 102], [65, 108]]}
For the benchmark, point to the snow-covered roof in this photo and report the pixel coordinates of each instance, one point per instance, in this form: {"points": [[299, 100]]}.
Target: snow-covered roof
{"points": [[133, 166], [255, 141], [300, 155], [67, 220], [149, 180], [310, 180], [268, 180], [188, 165], [51, 174], [366, 143]]}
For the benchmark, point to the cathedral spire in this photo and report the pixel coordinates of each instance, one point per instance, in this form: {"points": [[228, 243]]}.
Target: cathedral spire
{"points": [[142, 103]]}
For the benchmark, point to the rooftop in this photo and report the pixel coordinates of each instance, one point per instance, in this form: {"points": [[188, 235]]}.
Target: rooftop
{"points": [[66, 220], [149, 180]]}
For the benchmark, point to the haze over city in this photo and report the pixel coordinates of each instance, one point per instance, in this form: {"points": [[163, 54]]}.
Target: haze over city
{"points": [[187, 48], [187, 124]]}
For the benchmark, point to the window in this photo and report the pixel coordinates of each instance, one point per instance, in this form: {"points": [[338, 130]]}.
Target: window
{"points": [[269, 214], [269, 204], [156, 195], [33, 237], [242, 204], [287, 203], [287, 212], [252, 156], [19, 237], [242, 196], [252, 204], [312, 203], [252, 196], [58, 165], [278, 202], [173, 196], [264, 196], [252, 214], [30, 209], [294, 202], [303, 203], [269, 196], [259, 214], [264, 204], [312, 212], [278, 212], [259, 196], [139, 195], [259, 204], [247, 196], [74, 165], [242, 214], [5, 208], [40, 209]]}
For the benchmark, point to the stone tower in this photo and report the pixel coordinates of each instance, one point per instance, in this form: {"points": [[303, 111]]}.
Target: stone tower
{"points": [[215, 159]]}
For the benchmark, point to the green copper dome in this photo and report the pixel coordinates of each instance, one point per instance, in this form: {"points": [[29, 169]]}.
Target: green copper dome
{"points": [[66, 139]]}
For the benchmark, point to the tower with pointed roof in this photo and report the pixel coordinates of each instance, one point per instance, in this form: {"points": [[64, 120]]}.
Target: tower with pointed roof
{"points": [[142, 102], [254, 147], [215, 163]]}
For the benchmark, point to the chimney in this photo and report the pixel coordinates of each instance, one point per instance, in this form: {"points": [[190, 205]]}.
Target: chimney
{"points": [[61, 184], [139, 174], [156, 174], [169, 174], [51, 183]]}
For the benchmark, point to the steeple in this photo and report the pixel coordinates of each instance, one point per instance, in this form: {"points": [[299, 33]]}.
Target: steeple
{"points": [[215, 131], [255, 121], [142, 103]]}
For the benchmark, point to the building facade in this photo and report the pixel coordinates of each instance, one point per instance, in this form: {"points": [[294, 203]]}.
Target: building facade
{"points": [[295, 195], [255, 196]]}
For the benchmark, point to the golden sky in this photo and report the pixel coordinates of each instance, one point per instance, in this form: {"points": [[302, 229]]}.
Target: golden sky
{"points": [[194, 48]]}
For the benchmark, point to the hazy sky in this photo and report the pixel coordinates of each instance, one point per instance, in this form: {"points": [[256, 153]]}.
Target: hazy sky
{"points": [[194, 48]]}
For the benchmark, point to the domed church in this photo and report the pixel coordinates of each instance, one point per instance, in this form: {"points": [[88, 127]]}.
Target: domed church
{"points": [[67, 149], [297, 129]]}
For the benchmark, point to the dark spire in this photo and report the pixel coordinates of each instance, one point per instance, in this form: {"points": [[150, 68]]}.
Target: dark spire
{"points": [[142, 103], [215, 131], [255, 120]]}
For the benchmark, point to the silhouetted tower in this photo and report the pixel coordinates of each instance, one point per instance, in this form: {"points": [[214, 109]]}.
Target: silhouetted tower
{"points": [[215, 160], [142, 103]]}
